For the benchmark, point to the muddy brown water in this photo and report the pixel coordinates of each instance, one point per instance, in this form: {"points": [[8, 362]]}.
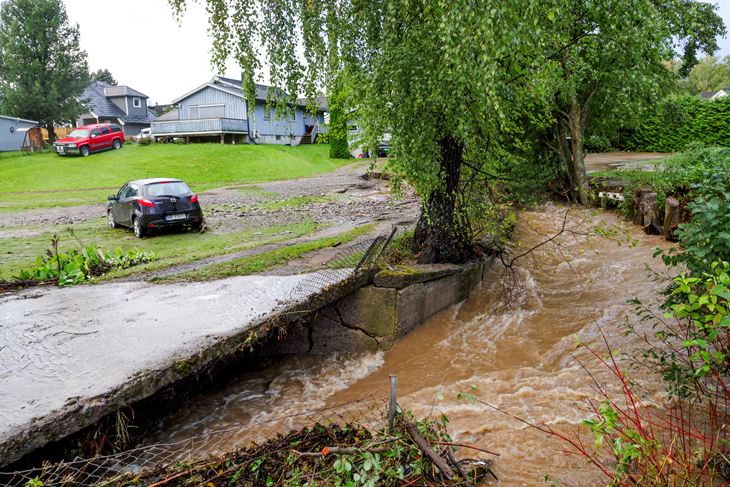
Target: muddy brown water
{"points": [[511, 344]]}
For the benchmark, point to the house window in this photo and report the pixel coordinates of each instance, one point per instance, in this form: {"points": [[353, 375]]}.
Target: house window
{"points": [[137, 102], [278, 137], [212, 111], [267, 112]]}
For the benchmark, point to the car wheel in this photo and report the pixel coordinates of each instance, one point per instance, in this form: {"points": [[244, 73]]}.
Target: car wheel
{"points": [[117, 144], [139, 230], [85, 151], [110, 220]]}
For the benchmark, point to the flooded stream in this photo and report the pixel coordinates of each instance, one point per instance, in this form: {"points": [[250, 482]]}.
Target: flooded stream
{"points": [[511, 344]]}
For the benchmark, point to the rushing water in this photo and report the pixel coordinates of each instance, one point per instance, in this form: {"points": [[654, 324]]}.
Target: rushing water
{"points": [[512, 344]]}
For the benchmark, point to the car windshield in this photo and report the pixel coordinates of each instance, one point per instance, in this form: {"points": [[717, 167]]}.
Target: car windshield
{"points": [[78, 134], [170, 188]]}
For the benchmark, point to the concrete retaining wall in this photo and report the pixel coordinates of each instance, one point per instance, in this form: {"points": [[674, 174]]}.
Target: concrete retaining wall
{"points": [[378, 314]]}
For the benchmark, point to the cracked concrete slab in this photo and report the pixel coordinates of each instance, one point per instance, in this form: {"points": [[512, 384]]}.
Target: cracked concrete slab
{"points": [[70, 355]]}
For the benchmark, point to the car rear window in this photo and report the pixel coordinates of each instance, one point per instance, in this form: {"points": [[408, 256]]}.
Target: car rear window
{"points": [[115, 128], [171, 188], [104, 130]]}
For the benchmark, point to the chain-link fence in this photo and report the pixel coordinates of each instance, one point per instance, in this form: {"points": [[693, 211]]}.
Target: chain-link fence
{"points": [[344, 265]]}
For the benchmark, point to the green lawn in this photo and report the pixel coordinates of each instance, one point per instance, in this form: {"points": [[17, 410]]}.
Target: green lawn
{"points": [[172, 248], [49, 180]]}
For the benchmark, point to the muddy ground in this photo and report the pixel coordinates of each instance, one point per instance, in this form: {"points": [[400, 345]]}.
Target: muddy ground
{"points": [[338, 202]]}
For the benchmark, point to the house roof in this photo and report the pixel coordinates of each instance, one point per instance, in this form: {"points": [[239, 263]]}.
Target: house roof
{"points": [[171, 115], [707, 94], [319, 101], [97, 100], [122, 90], [234, 86], [16, 119]]}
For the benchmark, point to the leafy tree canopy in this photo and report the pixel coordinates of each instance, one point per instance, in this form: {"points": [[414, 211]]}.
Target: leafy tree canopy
{"points": [[103, 75], [460, 84], [42, 68]]}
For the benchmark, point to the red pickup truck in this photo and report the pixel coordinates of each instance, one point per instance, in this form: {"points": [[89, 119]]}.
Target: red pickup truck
{"points": [[90, 138]]}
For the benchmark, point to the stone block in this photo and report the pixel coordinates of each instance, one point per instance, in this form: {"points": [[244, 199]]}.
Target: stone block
{"points": [[650, 219], [636, 201], [411, 308], [371, 309], [329, 336], [671, 218], [405, 276]]}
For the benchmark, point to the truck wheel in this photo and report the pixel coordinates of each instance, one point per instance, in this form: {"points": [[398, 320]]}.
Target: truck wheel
{"points": [[117, 144], [85, 151]]}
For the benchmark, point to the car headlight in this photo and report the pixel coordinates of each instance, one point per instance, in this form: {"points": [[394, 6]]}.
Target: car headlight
{"points": [[71, 146]]}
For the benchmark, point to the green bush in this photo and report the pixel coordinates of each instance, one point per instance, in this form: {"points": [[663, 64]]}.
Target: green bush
{"points": [[78, 265], [680, 176], [705, 239], [598, 143], [675, 123], [145, 141]]}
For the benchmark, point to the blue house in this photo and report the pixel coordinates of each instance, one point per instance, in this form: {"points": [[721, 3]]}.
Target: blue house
{"points": [[218, 111], [121, 104]]}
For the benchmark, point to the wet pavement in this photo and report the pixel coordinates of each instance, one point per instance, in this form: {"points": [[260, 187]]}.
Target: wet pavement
{"points": [[62, 349]]}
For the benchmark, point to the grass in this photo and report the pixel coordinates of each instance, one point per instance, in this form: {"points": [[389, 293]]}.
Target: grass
{"points": [[48, 180], [21, 252], [266, 260]]}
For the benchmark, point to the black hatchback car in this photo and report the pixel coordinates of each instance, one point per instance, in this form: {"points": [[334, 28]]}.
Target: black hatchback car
{"points": [[147, 204]]}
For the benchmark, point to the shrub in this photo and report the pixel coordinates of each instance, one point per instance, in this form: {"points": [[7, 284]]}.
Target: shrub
{"points": [[145, 141], [598, 143], [706, 238], [78, 265], [677, 122], [680, 176], [322, 138]]}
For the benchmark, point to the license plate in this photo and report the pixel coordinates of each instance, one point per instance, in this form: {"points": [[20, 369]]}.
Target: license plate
{"points": [[60, 149], [181, 216]]}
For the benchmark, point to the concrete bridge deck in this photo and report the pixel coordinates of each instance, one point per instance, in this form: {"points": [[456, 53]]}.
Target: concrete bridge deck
{"points": [[69, 356]]}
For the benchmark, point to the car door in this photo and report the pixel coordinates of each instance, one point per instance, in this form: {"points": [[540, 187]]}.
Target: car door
{"points": [[105, 139], [128, 203], [96, 142], [117, 205]]}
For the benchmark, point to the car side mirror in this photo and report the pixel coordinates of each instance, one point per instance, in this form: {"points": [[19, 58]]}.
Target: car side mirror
{"points": [[93, 136], [112, 197]]}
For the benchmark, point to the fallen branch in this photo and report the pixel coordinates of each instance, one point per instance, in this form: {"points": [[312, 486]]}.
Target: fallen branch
{"points": [[426, 449], [336, 450], [464, 445]]}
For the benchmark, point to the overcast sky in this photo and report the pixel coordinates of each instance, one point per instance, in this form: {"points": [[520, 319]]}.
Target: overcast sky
{"points": [[143, 46]]}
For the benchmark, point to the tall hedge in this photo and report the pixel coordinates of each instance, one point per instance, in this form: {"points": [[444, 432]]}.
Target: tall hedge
{"points": [[674, 123]]}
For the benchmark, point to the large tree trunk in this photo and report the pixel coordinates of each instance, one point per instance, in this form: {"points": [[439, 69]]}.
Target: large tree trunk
{"points": [[570, 130], [437, 237], [51, 132], [577, 118]]}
